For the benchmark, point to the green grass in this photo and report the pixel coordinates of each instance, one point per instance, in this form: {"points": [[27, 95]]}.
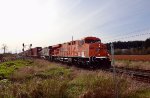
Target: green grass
{"points": [[92, 85], [58, 72], [7, 68]]}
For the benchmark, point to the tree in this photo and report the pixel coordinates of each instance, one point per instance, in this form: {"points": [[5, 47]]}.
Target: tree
{"points": [[147, 43], [4, 47]]}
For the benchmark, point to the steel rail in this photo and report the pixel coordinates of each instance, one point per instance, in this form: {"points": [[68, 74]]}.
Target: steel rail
{"points": [[138, 74]]}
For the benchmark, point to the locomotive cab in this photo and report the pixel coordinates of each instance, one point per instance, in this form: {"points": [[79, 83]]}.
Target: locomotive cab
{"points": [[96, 48], [97, 51]]}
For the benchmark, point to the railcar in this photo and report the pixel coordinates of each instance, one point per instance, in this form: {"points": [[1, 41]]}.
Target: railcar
{"points": [[35, 52], [45, 52]]}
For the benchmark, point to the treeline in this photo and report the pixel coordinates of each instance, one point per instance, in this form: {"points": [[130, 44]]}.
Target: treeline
{"points": [[131, 47]]}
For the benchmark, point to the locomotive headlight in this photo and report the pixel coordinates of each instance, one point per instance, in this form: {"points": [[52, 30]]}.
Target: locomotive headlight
{"points": [[99, 45], [108, 54]]}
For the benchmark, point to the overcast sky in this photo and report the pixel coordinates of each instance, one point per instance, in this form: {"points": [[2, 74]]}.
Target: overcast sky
{"points": [[48, 22]]}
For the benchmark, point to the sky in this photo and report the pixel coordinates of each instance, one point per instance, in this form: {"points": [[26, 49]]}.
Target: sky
{"points": [[49, 22]]}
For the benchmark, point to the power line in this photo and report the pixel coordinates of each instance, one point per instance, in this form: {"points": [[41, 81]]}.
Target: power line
{"points": [[137, 32], [132, 36]]}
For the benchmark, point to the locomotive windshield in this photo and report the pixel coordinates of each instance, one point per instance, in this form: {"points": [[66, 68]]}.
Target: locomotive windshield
{"points": [[92, 40]]}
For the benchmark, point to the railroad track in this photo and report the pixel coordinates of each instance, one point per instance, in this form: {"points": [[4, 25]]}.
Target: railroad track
{"points": [[137, 74]]}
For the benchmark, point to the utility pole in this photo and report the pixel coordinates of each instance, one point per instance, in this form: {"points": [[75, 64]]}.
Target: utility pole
{"points": [[114, 71], [72, 38], [71, 47]]}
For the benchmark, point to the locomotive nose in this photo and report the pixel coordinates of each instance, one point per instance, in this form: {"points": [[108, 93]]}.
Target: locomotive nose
{"points": [[98, 50]]}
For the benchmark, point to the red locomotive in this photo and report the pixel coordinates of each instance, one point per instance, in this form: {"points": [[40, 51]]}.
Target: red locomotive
{"points": [[88, 51]]}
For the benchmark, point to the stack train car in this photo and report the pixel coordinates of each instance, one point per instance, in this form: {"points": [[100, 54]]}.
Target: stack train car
{"points": [[88, 51]]}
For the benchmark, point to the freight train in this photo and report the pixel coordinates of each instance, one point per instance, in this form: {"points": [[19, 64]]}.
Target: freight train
{"points": [[88, 51]]}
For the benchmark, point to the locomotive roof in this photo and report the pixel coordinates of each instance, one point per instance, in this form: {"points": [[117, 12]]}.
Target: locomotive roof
{"points": [[90, 37]]}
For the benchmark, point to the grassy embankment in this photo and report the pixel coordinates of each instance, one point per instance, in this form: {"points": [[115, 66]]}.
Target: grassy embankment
{"points": [[42, 79], [145, 65]]}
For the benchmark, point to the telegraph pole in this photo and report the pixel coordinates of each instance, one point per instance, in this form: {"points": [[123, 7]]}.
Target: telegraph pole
{"points": [[71, 47], [114, 71]]}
